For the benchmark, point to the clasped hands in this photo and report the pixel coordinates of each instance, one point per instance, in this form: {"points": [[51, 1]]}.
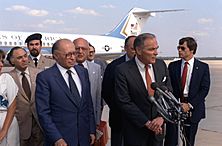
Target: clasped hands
{"points": [[185, 107], [155, 125]]}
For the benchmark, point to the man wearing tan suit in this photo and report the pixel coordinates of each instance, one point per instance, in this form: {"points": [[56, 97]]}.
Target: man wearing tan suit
{"points": [[24, 76], [35, 58]]}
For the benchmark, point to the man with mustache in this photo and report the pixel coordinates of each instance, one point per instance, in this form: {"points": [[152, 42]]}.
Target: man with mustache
{"points": [[35, 58]]}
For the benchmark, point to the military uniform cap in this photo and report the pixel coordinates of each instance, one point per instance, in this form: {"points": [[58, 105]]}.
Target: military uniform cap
{"points": [[35, 36]]}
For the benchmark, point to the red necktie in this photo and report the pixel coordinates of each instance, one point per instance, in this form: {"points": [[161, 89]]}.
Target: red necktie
{"points": [[148, 81], [184, 75]]}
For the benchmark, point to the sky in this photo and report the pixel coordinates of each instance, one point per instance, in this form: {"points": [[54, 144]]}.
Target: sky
{"points": [[202, 19]]}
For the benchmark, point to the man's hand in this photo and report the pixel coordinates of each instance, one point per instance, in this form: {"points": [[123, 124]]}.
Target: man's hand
{"points": [[92, 139], [155, 125], [185, 107], [60, 142]]}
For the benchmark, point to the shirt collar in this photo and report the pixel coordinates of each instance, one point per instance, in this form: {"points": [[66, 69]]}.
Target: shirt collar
{"points": [[140, 64], [26, 71], [64, 70], [190, 62], [38, 57]]}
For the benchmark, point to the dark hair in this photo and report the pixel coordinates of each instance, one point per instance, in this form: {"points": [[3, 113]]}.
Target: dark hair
{"points": [[2, 54], [92, 46], [139, 41], [9, 55], [127, 39], [191, 43]]}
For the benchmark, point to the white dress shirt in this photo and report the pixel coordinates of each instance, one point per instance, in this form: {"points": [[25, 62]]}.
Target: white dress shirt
{"points": [[75, 77], [142, 70], [189, 74]]}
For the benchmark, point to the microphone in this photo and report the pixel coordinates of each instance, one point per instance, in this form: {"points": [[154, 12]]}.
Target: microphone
{"points": [[165, 89], [173, 103], [160, 109]]}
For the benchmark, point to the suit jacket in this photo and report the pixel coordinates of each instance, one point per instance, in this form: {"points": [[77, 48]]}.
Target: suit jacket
{"points": [[198, 89], [108, 92], [133, 100], [25, 108], [95, 79], [43, 62], [102, 63], [60, 115]]}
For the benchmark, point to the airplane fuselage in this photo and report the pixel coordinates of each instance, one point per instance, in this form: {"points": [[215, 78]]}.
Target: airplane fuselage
{"points": [[102, 44]]}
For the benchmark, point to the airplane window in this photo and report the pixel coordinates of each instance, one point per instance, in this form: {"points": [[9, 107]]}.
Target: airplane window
{"points": [[0, 43], [47, 44], [5, 43], [51, 44], [10, 43], [15, 43], [43, 44], [20, 43]]}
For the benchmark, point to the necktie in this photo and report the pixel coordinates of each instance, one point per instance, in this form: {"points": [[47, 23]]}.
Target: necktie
{"points": [[184, 75], [183, 79], [72, 86], [25, 85], [148, 81], [35, 61]]}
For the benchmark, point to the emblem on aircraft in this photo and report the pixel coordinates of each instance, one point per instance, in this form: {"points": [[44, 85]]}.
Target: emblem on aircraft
{"points": [[107, 48]]}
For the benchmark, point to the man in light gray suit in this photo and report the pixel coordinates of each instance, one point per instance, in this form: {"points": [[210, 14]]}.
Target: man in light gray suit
{"points": [[94, 70], [35, 58], [24, 76]]}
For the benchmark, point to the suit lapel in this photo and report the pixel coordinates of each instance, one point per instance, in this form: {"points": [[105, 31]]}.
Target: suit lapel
{"points": [[18, 82], [63, 86], [135, 74], [178, 74], [41, 62], [82, 80], [30, 62], [32, 75], [194, 75]]}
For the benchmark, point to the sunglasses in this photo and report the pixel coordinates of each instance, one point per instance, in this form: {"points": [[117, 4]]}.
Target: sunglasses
{"points": [[181, 47]]}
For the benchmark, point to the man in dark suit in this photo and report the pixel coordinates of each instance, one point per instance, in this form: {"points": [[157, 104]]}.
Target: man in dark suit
{"points": [[142, 124], [191, 89], [108, 92], [63, 100]]}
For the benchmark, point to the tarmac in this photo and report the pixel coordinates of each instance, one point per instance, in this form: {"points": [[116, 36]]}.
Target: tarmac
{"points": [[210, 129]]}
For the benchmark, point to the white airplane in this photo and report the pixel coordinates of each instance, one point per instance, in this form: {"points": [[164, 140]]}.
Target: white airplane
{"points": [[108, 44]]}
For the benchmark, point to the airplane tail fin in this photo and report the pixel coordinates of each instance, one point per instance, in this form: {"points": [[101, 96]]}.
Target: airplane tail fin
{"points": [[133, 22]]}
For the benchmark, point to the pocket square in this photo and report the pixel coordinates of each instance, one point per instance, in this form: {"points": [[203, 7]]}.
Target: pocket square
{"points": [[164, 79]]}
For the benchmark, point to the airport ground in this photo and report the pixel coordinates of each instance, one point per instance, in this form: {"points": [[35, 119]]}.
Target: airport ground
{"points": [[210, 129]]}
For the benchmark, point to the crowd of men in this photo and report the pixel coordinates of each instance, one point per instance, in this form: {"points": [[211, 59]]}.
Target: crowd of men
{"points": [[60, 101]]}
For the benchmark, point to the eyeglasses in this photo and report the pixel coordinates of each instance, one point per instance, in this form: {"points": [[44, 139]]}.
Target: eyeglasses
{"points": [[69, 55], [83, 48], [181, 47]]}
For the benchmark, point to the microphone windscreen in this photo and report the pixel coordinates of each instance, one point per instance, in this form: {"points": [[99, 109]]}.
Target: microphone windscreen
{"points": [[154, 85]]}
